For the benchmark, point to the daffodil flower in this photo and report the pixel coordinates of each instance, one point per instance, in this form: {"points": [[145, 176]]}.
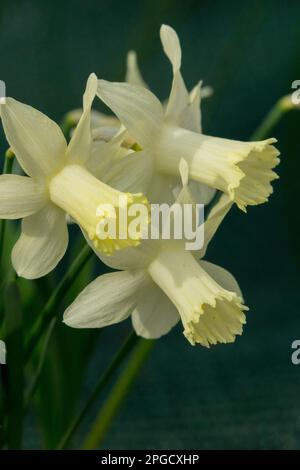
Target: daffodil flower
{"points": [[243, 170], [160, 283], [58, 182], [106, 126], [182, 108], [185, 110]]}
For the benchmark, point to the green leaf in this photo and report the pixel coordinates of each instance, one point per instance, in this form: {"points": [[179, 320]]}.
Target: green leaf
{"points": [[14, 377], [65, 364], [118, 394]]}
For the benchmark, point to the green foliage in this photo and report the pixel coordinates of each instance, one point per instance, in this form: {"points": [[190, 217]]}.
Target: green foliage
{"points": [[13, 376]]}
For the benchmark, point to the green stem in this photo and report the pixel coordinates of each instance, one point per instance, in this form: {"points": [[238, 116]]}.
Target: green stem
{"points": [[280, 108], [119, 392], [127, 346], [7, 169], [34, 382], [55, 299]]}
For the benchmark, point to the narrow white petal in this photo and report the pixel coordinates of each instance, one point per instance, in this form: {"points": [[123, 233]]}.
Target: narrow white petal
{"points": [[154, 315], [214, 219], [190, 117], [184, 172], [179, 97], [171, 46], [207, 91], [137, 108], [198, 193], [42, 244], [178, 100], [133, 74], [37, 141], [20, 196], [79, 148], [107, 300]]}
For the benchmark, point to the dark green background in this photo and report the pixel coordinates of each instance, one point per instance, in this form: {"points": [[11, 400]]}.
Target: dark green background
{"points": [[240, 396]]}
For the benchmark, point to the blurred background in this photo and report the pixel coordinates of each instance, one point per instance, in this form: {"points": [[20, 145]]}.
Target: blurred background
{"points": [[239, 396]]}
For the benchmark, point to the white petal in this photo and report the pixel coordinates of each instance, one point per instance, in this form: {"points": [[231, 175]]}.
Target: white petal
{"points": [[184, 172], [202, 194], [178, 101], [37, 141], [80, 145], [207, 91], [190, 118], [105, 154], [161, 189], [171, 46], [133, 74], [97, 119], [130, 258], [222, 277], [132, 173], [107, 300], [42, 244], [154, 315], [106, 133], [102, 155], [214, 219], [137, 108], [20, 196], [179, 97]]}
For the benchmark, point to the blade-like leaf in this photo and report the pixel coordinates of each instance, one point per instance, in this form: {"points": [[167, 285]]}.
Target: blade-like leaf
{"points": [[13, 334]]}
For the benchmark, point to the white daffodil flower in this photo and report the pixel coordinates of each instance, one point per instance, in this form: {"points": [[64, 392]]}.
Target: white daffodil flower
{"points": [[133, 73], [58, 182], [243, 170], [182, 108], [160, 283], [105, 126]]}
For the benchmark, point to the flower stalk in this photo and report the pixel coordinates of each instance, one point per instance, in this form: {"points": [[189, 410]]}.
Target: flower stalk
{"points": [[118, 394], [131, 341], [276, 113], [59, 292], [7, 169]]}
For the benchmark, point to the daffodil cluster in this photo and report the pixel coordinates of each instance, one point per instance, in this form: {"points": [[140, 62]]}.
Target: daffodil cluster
{"points": [[150, 152]]}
